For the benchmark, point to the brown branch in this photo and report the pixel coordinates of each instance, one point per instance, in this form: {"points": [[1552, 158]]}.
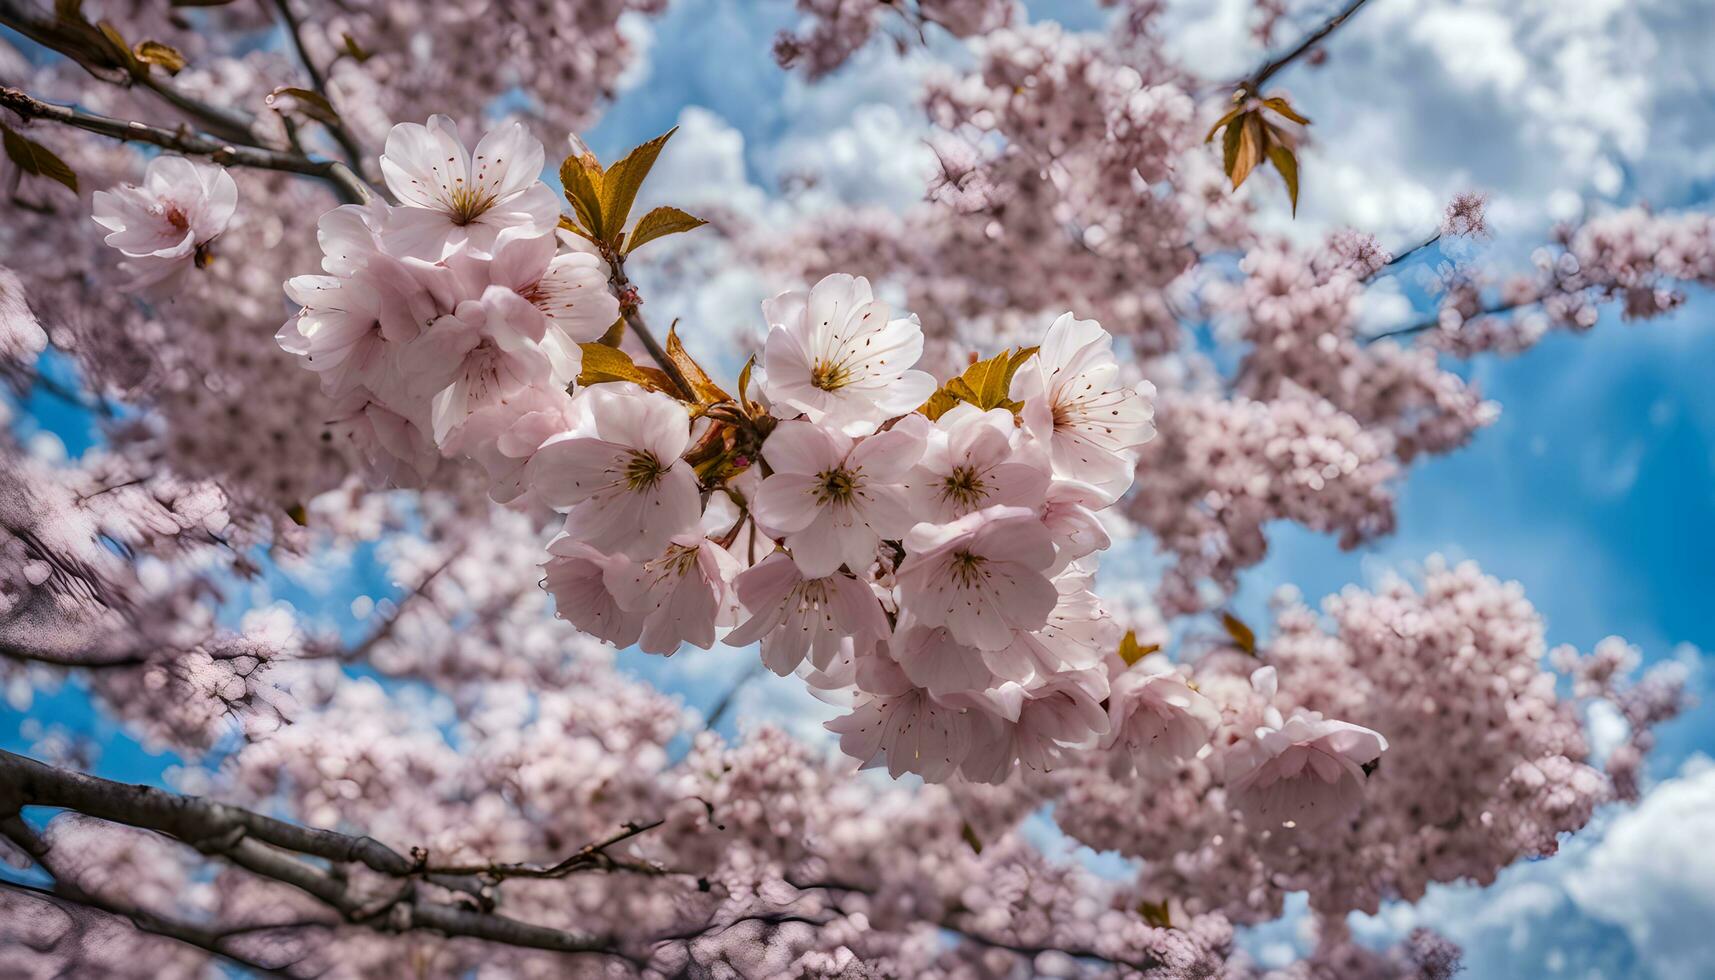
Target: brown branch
{"points": [[259, 845], [1494, 309], [592, 855], [65, 892], [82, 43], [628, 303], [349, 186], [1267, 70]]}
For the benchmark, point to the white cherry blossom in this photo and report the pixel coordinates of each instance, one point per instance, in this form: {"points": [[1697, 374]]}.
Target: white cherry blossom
{"points": [[1156, 719], [1305, 772], [838, 355], [456, 198], [1075, 404]]}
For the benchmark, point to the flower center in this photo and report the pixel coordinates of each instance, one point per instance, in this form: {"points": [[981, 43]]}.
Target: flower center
{"points": [[964, 487], [468, 203], [175, 217], [830, 376], [836, 486], [643, 471], [967, 569]]}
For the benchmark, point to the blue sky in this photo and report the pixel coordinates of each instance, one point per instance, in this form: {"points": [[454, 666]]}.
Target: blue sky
{"points": [[1596, 489]]}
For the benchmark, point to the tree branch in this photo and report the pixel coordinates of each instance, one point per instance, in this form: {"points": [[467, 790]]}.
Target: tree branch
{"points": [[1494, 309], [257, 844], [1267, 70], [82, 43], [349, 186]]}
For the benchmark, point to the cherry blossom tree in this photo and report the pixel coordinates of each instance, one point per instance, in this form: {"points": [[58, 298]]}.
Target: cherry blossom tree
{"points": [[303, 268]]}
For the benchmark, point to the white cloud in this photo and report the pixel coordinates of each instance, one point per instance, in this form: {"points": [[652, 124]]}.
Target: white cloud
{"points": [[1653, 875]]}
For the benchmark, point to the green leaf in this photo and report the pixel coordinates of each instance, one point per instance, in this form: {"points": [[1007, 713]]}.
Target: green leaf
{"points": [[351, 47], [603, 364], [1155, 913], [35, 159], [750, 407], [1284, 161], [660, 223], [307, 103], [582, 178], [163, 56], [620, 184], [969, 834], [1242, 636], [1131, 651]]}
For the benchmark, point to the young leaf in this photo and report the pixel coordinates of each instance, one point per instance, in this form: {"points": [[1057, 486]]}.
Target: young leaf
{"points": [[744, 401], [985, 384], [660, 223], [35, 159], [352, 48], [969, 833], [158, 54], [603, 364], [307, 103], [1284, 108], [1282, 157], [703, 391], [1249, 152], [582, 178], [620, 184], [1241, 634], [1233, 113], [1155, 913], [299, 515], [1131, 651]]}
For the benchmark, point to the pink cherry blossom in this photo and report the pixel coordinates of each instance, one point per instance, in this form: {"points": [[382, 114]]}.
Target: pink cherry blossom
{"points": [[1076, 405], [576, 576], [971, 461], [1306, 772], [681, 595], [627, 489], [162, 225], [834, 499], [981, 576], [795, 617], [1156, 720]]}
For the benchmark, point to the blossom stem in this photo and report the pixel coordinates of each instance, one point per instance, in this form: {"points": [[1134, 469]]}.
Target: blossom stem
{"points": [[347, 184], [627, 293]]}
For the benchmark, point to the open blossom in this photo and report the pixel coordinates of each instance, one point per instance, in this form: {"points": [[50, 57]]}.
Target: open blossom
{"points": [[471, 358], [1305, 771], [576, 576], [901, 726], [1156, 720], [628, 490], [1034, 724], [164, 225], [681, 594], [970, 462], [980, 576], [566, 287], [837, 355], [1075, 404], [457, 198], [834, 500], [795, 617]]}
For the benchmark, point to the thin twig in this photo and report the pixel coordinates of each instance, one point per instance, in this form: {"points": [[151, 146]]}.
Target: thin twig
{"points": [[1258, 78], [1494, 309], [351, 188], [71, 39], [319, 82], [628, 303]]}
